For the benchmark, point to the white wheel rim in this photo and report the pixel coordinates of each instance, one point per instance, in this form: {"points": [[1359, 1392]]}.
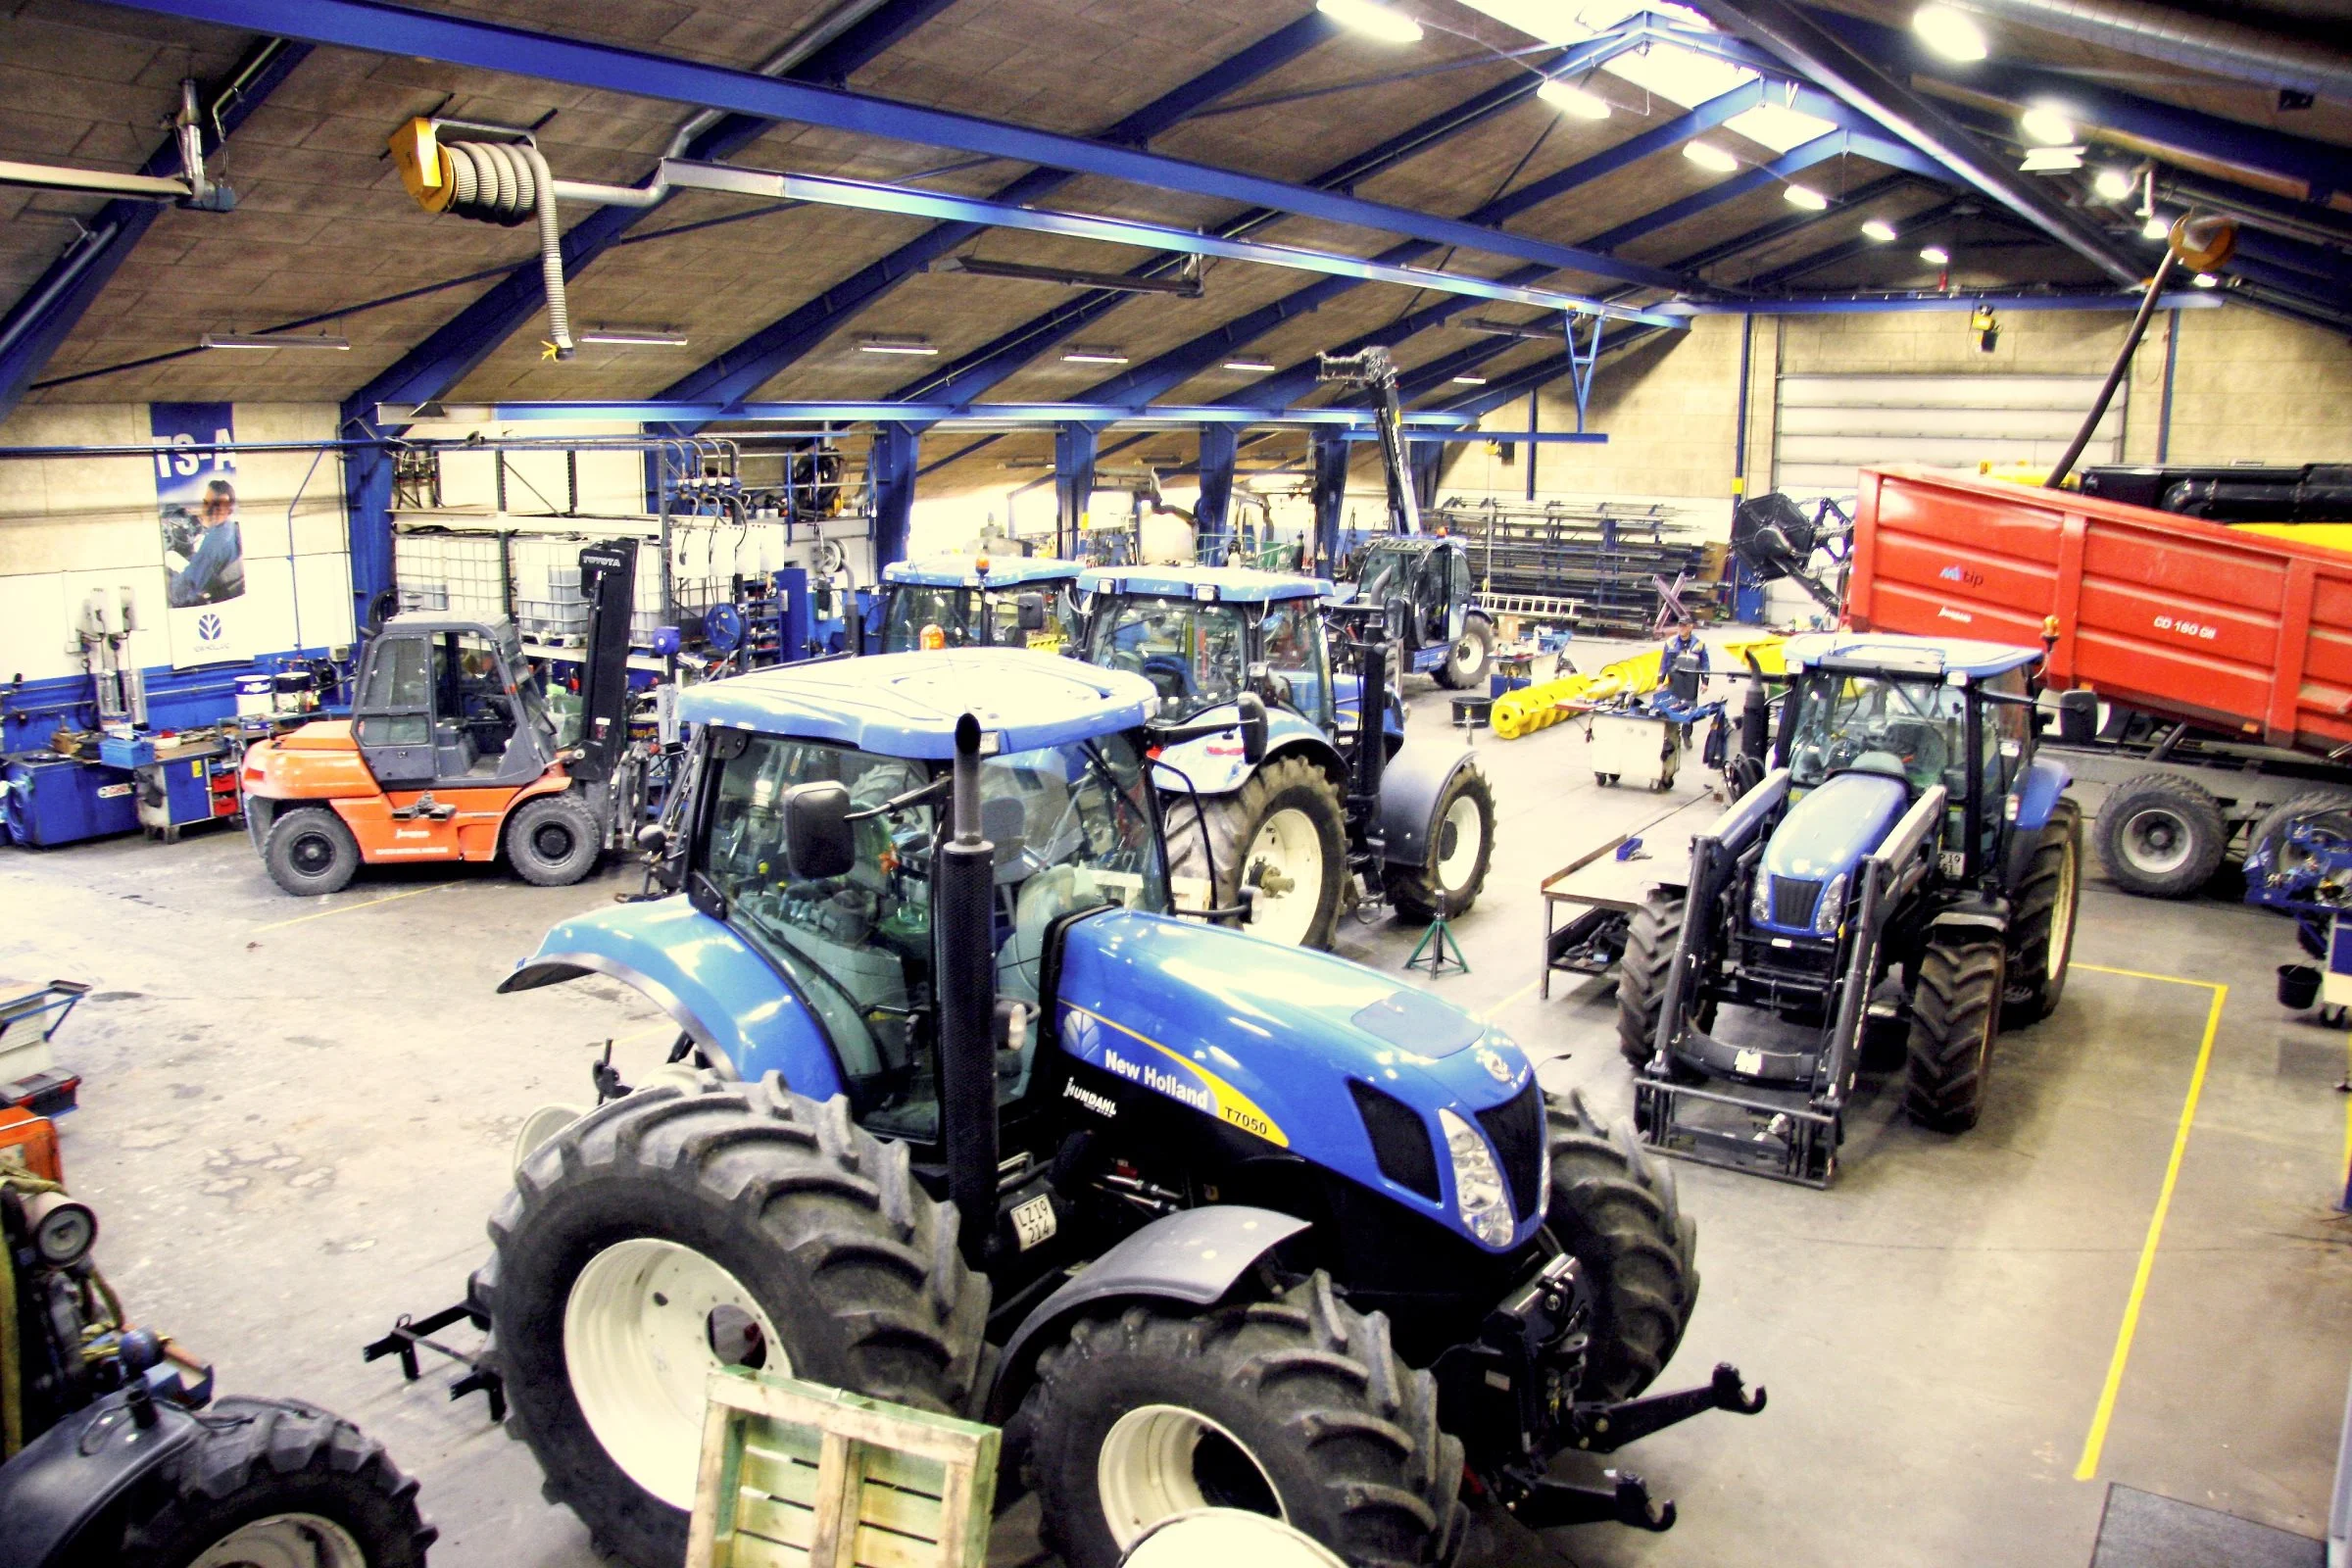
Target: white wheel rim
{"points": [[1288, 845], [1465, 830], [1148, 1469], [285, 1540], [2157, 841], [2062, 919], [1465, 656], [637, 1333]]}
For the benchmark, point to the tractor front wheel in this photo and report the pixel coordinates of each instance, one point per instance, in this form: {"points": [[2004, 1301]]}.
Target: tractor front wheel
{"points": [[1650, 935], [311, 852], [1956, 1016], [1297, 1407], [680, 1230], [1284, 833], [1460, 846], [1466, 660], [2042, 933], [553, 840], [1614, 1208]]}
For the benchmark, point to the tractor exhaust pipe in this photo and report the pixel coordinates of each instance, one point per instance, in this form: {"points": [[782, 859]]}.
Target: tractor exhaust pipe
{"points": [[963, 889]]}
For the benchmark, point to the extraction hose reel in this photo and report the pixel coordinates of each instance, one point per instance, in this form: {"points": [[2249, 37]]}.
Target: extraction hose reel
{"points": [[503, 182]]}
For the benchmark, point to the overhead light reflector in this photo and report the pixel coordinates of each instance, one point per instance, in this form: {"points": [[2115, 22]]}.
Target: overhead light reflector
{"points": [[897, 345], [655, 340], [1805, 196], [1706, 155], [2206, 280], [273, 340], [2112, 184], [1082, 355], [1250, 366], [2046, 126], [1935, 254], [1467, 379], [1953, 34], [1574, 101], [1377, 20], [2155, 228], [1879, 229]]}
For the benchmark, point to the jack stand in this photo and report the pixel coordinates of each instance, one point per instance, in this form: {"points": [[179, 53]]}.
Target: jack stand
{"points": [[1443, 954]]}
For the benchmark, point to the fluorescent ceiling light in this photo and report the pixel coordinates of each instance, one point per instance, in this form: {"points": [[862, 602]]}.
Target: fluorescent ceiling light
{"points": [[2155, 228], [1573, 100], [1377, 20], [657, 340], [272, 340], [1935, 254], [1879, 229], [2046, 126], [1805, 196], [1706, 155], [2206, 280], [1778, 126], [2051, 160], [1187, 284], [1250, 365], [1082, 355], [1466, 379], [896, 345], [1953, 34], [2112, 184]]}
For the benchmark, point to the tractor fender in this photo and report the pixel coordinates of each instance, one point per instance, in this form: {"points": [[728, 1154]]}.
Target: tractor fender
{"points": [[1192, 1257], [2031, 804], [1214, 764], [748, 1020], [70, 1475], [1411, 784], [1969, 919]]}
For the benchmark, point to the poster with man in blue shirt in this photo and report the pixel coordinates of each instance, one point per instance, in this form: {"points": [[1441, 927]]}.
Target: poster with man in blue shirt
{"points": [[204, 547]]}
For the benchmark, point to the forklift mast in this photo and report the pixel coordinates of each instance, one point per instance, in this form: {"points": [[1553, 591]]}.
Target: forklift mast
{"points": [[1373, 370], [608, 580]]}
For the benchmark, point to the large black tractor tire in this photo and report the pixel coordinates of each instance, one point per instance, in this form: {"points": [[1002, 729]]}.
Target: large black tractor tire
{"points": [[1466, 660], [2162, 837], [1461, 847], [1299, 1406], [818, 1223], [1955, 1018], [310, 853], [1650, 936], [271, 1480], [553, 840], [1235, 821], [1613, 1206], [2041, 925]]}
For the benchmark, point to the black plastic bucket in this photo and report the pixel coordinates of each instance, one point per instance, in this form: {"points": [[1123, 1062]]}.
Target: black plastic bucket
{"points": [[2298, 986]]}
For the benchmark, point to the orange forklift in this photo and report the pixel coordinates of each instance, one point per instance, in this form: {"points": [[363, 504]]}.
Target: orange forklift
{"points": [[452, 752]]}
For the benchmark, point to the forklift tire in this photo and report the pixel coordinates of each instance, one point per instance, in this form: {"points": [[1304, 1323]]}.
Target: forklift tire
{"points": [[1650, 936], [2041, 933], [1466, 660], [271, 1481], [1614, 1209], [553, 840], [2161, 836], [310, 853], [1299, 1408], [792, 1240], [1955, 1017], [1247, 820], [1448, 883]]}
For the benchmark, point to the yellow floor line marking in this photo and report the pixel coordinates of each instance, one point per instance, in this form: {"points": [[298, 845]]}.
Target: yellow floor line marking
{"points": [[392, 897], [2097, 1440], [1518, 996], [2347, 1181]]}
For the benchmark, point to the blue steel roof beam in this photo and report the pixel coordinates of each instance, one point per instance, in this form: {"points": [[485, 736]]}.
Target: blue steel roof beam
{"points": [[1441, 370], [1832, 256], [382, 29], [1478, 402], [38, 323], [1673, 133], [868, 411], [1779, 171], [1782, 227], [751, 363]]}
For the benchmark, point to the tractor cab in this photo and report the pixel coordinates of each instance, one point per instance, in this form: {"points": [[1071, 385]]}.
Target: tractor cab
{"points": [[453, 704], [1418, 591], [1202, 635], [978, 602]]}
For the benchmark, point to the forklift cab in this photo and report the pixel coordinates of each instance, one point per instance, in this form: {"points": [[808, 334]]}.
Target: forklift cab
{"points": [[451, 704]]}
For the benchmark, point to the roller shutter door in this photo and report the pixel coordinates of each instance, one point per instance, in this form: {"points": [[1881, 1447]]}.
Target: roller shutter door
{"points": [[1830, 426]]}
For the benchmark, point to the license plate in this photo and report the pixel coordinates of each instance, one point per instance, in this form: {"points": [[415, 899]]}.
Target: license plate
{"points": [[1034, 1221]]}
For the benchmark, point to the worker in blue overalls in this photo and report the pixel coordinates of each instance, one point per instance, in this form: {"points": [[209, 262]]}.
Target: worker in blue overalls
{"points": [[216, 569], [1683, 641]]}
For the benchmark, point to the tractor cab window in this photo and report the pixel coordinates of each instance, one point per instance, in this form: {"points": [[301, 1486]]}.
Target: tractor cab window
{"points": [[1190, 649], [1910, 728], [913, 607], [1386, 574], [1072, 830], [1291, 643]]}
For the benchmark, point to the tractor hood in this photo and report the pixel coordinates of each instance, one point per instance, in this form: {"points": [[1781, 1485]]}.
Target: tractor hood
{"points": [[1268, 1038], [1835, 825]]}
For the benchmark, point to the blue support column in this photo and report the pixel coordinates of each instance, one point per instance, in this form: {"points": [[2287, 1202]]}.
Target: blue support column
{"points": [[1330, 455], [1214, 512], [1074, 454], [891, 465], [367, 500]]}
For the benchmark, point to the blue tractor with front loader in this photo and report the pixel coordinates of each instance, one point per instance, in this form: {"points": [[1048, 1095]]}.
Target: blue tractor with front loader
{"points": [[1900, 855], [963, 1115]]}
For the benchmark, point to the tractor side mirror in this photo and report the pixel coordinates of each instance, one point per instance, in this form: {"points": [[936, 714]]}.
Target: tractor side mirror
{"points": [[2077, 717], [1029, 611], [820, 840], [1254, 728]]}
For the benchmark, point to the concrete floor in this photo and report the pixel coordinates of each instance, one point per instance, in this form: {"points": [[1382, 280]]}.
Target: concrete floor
{"points": [[296, 1118]]}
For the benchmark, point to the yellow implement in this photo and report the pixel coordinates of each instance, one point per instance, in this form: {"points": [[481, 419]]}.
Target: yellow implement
{"points": [[1547, 703]]}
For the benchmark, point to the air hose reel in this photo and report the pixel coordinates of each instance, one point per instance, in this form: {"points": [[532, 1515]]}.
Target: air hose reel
{"points": [[499, 178]]}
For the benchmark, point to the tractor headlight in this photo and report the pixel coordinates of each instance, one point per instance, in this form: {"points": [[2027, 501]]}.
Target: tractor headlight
{"points": [[1832, 907], [1759, 905], [1479, 1196]]}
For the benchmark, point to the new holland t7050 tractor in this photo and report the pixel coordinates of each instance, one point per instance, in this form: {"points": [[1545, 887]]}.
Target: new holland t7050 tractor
{"points": [[1340, 807], [1906, 858], [962, 1116]]}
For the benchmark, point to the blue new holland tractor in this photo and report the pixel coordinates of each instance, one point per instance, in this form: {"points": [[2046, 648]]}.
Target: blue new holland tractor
{"points": [[979, 602], [1339, 808], [1901, 854], [961, 1116]]}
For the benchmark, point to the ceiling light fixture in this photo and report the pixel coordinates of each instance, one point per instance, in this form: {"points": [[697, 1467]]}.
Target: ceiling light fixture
{"points": [[272, 340], [2112, 184], [1953, 34], [1188, 285], [2206, 280], [897, 345], [2046, 126], [1534, 329], [1879, 229], [1379, 21], [1466, 379], [1805, 196], [1080, 354], [1250, 366], [1706, 155], [654, 340], [2155, 228], [1573, 100], [2051, 160], [1935, 254]]}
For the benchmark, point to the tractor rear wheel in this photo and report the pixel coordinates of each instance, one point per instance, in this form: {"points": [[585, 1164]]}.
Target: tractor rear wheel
{"points": [[1297, 1407], [1461, 845], [2162, 837], [2041, 933], [677, 1230], [1466, 660], [310, 853], [1955, 1017], [553, 840], [1614, 1208], [269, 1481], [1285, 833], [1650, 935]]}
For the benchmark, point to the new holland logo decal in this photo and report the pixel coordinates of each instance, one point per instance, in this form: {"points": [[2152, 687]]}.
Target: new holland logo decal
{"points": [[1124, 1053]]}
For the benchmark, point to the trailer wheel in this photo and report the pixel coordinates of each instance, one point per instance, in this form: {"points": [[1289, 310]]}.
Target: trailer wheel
{"points": [[1285, 833], [310, 853], [1956, 1016], [2041, 933], [1466, 660], [1297, 1407], [1462, 846], [269, 1481], [553, 840], [678, 1230], [1614, 1208], [2162, 837]]}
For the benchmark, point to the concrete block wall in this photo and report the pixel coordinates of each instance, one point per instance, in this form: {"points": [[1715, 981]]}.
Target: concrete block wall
{"points": [[2250, 385]]}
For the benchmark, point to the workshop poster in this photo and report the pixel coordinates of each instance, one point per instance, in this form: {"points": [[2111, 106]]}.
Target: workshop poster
{"points": [[204, 550]]}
